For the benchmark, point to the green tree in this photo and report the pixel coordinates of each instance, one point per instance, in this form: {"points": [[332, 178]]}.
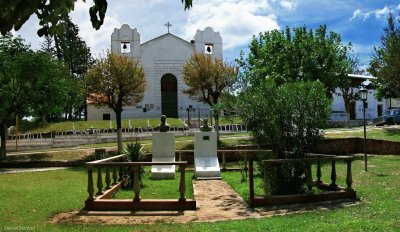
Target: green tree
{"points": [[207, 80], [30, 83], [347, 86], [15, 13], [49, 91], [47, 46], [76, 55], [116, 81], [385, 63], [288, 118], [14, 82], [297, 54]]}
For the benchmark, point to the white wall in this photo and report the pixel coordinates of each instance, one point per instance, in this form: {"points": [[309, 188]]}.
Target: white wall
{"points": [[370, 113]]}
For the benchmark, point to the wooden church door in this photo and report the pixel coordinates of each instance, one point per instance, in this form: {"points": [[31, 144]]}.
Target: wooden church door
{"points": [[169, 96]]}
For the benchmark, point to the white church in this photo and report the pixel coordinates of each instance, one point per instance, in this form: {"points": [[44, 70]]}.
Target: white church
{"points": [[162, 58]]}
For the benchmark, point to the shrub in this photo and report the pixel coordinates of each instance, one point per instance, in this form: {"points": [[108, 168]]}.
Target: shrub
{"points": [[134, 153], [289, 119]]}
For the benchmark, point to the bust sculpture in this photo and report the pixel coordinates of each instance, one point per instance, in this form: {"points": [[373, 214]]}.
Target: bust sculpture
{"points": [[205, 127], [163, 127]]}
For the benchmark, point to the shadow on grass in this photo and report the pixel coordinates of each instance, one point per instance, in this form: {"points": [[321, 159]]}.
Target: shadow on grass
{"points": [[379, 174], [130, 213], [391, 131], [31, 157]]}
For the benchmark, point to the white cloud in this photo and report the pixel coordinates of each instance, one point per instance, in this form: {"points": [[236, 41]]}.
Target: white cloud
{"points": [[382, 12], [98, 40], [357, 13], [236, 20], [378, 13], [289, 5]]}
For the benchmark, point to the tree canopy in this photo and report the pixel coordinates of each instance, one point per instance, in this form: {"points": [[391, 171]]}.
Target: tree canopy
{"points": [[287, 118], [73, 51], [31, 83], [294, 55], [116, 81], [207, 79], [15, 13], [49, 87], [385, 63]]}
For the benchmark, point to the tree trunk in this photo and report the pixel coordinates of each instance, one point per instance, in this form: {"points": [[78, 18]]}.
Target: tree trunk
{"points": [[119, 131], [70, 113], [347, 108], [58, 50], [44, 122], [216, 118], [85, 110], [3, 148], [346, 99]]}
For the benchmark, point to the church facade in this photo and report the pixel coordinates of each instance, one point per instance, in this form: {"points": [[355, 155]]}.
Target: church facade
{"points": [[163, 59]]}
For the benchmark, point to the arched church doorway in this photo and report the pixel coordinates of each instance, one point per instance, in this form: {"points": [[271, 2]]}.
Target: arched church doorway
{"points": [[169, 96]]}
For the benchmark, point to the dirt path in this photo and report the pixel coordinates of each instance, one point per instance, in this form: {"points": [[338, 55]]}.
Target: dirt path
{"points": [[216, 201]]}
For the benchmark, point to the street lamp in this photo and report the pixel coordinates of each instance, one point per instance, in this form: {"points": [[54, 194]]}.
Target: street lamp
{"points": [[363, 96]]}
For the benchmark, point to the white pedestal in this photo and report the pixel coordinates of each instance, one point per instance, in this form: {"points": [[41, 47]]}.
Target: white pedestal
{"points": [[205, 156], [163, 151]]}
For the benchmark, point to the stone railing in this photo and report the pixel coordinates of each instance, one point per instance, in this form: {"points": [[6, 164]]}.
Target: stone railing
{"points": [[233, 127], [334, 191], [115, 173]]}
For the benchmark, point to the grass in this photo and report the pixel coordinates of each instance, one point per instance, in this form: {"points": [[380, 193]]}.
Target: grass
{"points": [[29, 200], [183, 142], [159, 189], [391, 134], [102, 124], [33, 127], [52, 156], [230, 120], [378, 189]]}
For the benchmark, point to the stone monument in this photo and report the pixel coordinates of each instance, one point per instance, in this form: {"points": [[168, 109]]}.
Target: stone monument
{"points": [[164, 126], [205, 127], [163, 151], [205, 153]]}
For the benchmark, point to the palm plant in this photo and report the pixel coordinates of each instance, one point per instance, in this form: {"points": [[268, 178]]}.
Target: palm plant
{"points": [[133, 153]]}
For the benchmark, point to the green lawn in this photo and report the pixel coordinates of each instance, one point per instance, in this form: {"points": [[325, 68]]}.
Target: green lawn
{"points": [[101, 124], [29, 199], [159, 189], [391, 134], [28, 127]]}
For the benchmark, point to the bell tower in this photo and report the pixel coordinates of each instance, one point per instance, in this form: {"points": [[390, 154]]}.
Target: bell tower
{"points": [[209, 42], [126, 41]]}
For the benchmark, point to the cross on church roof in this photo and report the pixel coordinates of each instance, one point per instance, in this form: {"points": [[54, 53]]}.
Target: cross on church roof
{"points": [[168, 25]]}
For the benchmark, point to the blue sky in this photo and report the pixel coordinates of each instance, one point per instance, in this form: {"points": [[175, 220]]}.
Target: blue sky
{"points": [[358, 22]]}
